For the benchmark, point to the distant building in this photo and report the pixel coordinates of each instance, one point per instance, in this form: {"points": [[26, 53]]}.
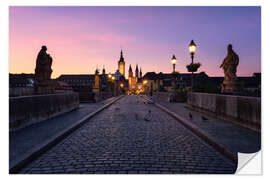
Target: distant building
{"points": [[21, 84], [163, 82], [134, 82], [78, 82], [121, 64]]}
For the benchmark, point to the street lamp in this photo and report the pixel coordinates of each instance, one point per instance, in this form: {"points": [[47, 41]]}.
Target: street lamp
{"points": [[173, 62], [144, 82], [109, 75], [192, 48], [144, 85]]}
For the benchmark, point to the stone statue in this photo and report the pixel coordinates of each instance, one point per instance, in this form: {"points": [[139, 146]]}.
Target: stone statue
{"points": [[43, 72], [229, 66]]}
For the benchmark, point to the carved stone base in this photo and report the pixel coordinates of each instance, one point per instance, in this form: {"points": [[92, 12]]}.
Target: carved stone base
{"points": [[229, 87], [45, 87]]}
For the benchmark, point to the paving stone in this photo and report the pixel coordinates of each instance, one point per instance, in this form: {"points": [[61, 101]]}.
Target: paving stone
{"points": [[115, 142]]}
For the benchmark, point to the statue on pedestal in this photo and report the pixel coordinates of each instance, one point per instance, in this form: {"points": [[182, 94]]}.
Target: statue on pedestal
{"points": [[43, 72], [96, 85], [229, 66]]}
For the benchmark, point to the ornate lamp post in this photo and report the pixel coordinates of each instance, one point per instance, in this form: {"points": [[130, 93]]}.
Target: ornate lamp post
{"points": [[173, 62], [192, 48], [110, 82], [144, 86]]}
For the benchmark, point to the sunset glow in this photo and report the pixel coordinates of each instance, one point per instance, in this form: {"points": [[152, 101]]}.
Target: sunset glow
{"points": [[81, 38]]}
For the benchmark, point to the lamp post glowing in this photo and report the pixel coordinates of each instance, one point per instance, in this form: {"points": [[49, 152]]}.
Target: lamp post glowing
{"points": [[144, 85], [173, 62], [109, 75], [145, 82], [192, 48]]}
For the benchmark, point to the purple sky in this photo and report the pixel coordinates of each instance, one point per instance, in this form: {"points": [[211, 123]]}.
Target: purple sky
{"points": [[80, 38]]}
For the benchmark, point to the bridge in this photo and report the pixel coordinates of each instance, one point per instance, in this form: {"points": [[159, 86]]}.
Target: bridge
{"points": [[126, 134]]}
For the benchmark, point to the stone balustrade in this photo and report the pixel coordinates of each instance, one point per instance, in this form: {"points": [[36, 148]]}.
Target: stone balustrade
{"points": [[27, 110], [243, 110]]}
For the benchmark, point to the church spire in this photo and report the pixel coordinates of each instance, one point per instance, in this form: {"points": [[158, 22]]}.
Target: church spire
{"points": [[140, 72], [130, 73], [121, 56], [137, 71]]}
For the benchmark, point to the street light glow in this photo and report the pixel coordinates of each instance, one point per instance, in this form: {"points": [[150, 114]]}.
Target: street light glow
{"points": [[109, 75], [173, 59], [192, 47]]}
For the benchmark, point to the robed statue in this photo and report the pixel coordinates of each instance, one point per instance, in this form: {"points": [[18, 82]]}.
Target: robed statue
{"points": [[229, 66], [43, 72]]}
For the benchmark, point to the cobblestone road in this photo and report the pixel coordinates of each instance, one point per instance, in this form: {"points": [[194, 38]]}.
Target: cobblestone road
{"points": [[126, 139]]}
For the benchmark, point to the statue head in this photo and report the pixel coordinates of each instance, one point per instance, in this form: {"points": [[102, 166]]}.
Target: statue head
{"points": [[229, 47], [44, 48]]}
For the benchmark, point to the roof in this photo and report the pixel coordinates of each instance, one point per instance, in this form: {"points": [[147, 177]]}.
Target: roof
{"points": [[76, 76], [153, 75], [150, 76]]}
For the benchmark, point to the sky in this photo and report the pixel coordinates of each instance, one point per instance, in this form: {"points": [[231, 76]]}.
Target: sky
{"points": [[79, 39]]}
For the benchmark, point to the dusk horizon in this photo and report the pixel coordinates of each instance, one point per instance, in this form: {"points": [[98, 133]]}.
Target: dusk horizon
{"points": [[121, 89], [80, 39]]}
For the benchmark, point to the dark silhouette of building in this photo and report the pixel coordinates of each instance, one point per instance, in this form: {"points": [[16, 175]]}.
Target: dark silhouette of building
{"points": [[202, 82]]}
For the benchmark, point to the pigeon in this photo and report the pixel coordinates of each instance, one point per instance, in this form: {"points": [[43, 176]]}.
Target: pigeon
{"points": [[204, 118], [190, 116], [147, 116]]}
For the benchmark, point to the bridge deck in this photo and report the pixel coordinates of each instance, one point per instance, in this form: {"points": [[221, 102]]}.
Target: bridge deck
{"points": [[125, 138]]}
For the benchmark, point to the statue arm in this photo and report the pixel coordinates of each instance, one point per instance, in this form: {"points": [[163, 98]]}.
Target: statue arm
{"points": [[223, 63]]}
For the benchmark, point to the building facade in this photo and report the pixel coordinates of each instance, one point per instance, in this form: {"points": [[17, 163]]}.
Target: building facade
{"points": [[121, 64]]}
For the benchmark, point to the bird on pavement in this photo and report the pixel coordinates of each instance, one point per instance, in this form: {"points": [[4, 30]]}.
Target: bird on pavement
{"points": [[204, 118], [190, 116], [147, 117]]}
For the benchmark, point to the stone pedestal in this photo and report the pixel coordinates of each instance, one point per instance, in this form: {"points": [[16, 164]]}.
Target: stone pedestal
{"points": [[229, 87], [96, 94], [46, 87]]}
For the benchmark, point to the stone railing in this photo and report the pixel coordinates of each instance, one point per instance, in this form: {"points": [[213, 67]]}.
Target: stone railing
{"points": [[165, 96], [20, 91], [170, 96], [27, 110], [243, 110], [102, 96]]}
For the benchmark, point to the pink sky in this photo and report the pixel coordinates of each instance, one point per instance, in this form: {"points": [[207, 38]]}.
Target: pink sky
{"points": [[81, 38]]}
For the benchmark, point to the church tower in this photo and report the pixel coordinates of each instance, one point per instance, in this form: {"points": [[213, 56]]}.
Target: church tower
{"points": [[130, 73], [140, 72], [137, 71], [121, 64]]}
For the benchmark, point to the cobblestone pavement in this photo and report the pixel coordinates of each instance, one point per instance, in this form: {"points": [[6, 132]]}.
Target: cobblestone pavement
{"points": [[230, 135], [125, 138], [25, 139]]}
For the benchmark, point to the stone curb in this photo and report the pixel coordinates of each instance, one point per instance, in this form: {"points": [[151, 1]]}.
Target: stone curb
{"points": [[16, 165], [198, 131]]}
